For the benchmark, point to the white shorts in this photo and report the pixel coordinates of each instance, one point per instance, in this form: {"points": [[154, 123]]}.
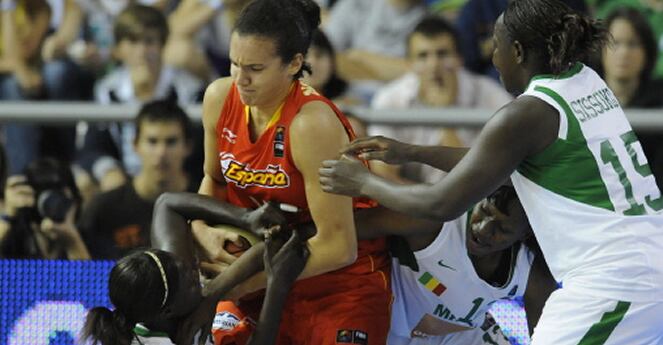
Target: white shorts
{"points": [[489, 334], [572, 319]]}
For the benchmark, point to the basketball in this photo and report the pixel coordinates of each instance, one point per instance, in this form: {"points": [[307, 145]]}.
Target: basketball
{"points": [[246, 239]]}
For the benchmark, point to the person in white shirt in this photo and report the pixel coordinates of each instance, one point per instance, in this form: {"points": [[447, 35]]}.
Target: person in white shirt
{"points": [[437, 79]]}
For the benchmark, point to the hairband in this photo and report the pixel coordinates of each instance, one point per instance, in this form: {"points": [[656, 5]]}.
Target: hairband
{"points": [[163, 276]]}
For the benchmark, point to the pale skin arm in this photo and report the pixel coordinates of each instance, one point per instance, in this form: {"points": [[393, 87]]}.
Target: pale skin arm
{"points": [[210, 239], [56, 44]]}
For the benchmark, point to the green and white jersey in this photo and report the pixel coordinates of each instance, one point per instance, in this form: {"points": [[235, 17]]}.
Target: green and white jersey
{"points": [[591, 197], [445, 294], [145, 336]]}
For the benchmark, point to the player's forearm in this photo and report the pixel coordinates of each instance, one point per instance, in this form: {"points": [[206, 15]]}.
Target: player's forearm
{"points": [[323, 258], [417, 200], [243, 276], [440, 157], [379, 222], [178, 206], [270, 315]]}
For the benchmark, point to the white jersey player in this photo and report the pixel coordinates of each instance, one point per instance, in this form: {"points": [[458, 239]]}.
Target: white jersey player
{"points": [[577, 167]]}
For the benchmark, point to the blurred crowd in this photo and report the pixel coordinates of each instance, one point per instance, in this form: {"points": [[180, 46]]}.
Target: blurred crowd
{"points": [[88, 190]]}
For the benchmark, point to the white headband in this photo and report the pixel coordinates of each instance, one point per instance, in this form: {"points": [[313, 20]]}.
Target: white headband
{"points": [[163, 276]]}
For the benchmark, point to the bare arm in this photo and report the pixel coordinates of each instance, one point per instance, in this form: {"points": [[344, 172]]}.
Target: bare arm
{"points": [[523, 128], [335, 243], [189, 17], [379, 222], [213, 183], [56, 44], [540, 285]]}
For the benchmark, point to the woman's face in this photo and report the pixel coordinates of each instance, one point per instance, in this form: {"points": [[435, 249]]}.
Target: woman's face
{"points": [[322, 65], [504, 59], [625, 58], [259, 73]]}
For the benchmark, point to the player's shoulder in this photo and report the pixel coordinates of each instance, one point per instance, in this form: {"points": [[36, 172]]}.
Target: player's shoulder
{"points": [[215, 98], [219, 88], [316, 116]]}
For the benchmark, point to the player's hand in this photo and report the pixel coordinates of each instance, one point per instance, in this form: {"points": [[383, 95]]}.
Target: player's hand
{"points": [[345, 176], [211, 240], [199, 321], [284, 263], [378, 148], [265, 216]]}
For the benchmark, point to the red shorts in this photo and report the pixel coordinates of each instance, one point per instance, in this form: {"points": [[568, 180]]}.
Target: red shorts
{"points": [[342, 307]]}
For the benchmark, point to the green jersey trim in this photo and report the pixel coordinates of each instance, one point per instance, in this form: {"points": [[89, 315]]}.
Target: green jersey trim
{"points": [[575, 69], [567, 167], [143, 331], [599, 332]]}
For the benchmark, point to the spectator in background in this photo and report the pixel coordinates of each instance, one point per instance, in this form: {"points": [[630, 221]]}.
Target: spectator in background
{"points": [[140, 33], [475, 27], [23, 26], [200, 36], [325, 79], [41, 207], [652, 10], [627, 67], [437, 79], [369, 36], [119, 220], [629, 62]]}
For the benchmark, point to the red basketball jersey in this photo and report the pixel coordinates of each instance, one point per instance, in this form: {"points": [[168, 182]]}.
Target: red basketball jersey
{"points": [[264, 170]]}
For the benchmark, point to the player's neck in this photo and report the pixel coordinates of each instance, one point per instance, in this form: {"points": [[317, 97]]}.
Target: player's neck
{"points": [[264, 112], [495, 268]]}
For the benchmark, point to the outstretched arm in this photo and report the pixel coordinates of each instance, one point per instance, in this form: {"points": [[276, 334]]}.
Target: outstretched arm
{"points": [[395, 152], [523, 128]]}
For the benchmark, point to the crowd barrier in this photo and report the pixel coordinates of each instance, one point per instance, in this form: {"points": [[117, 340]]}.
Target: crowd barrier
{"points": [[72, 112]]}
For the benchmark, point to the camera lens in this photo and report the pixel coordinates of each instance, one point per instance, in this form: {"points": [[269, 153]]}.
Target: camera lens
{"points": [[54, 204]]}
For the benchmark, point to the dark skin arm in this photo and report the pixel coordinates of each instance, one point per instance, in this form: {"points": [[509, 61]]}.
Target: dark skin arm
{"points": [[283, 264], [524, 127], [540, 285], [172, 211], [394, 152]]}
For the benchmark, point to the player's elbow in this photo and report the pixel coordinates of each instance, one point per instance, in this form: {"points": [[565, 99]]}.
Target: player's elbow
{"points": [[165, 200], [336, 254]]}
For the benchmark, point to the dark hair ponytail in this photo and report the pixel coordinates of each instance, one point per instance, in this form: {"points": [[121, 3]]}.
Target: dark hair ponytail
{"points": [[553, 32], [136, 289], [290, 23], [106, 327]]}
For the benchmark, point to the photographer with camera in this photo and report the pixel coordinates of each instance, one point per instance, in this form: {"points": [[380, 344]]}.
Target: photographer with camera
{"points": [[39, 218]]}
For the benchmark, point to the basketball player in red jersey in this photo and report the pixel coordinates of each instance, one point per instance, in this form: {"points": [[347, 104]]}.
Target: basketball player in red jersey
{"points": [[266, 135]]}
